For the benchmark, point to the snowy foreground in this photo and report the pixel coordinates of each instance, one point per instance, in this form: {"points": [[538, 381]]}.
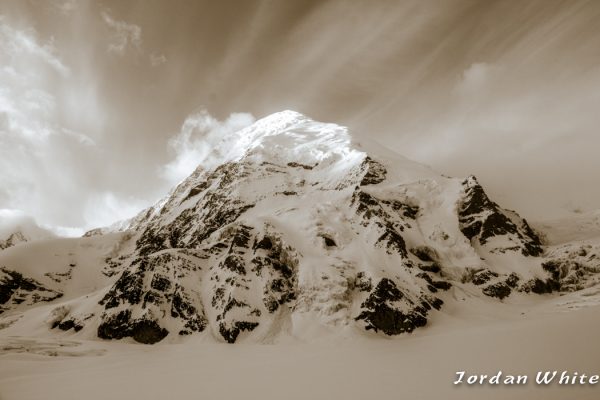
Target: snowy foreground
{"points": [[560, 334]]}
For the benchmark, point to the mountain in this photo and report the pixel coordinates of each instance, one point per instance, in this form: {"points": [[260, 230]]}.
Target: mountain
{"points": [[12, 239], [294, 228], [16, 228]]}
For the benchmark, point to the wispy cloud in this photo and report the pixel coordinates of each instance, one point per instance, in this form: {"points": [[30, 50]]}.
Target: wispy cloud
{"points": [[38, 171], [26, 103], [16, 44], [12, 221], [157, 59], [203, 141], [66, 7], [106, 207], [79, 137], [124, 35], [476, 78]]}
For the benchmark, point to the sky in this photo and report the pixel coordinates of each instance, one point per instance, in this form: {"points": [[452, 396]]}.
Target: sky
{"points": [[105, 105]]}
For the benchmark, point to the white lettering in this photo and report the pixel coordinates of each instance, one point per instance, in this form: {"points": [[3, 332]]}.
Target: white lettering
{"points": [[460, 375], [546, 379], [495, 380]]}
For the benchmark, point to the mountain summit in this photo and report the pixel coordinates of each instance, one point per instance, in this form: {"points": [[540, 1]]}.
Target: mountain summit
{"points": [[287, 227]]}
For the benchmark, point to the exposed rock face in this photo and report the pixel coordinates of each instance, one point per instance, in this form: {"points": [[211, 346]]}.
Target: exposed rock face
{"points": [[163, 289], [215, 206], [391, 311], [424, 253], [122, 325], [388, 217], [161, 286], [571, 267], [499, 290], [481, 219], [250, 262], [375, 172], [16, 289], [540, 286], [479, 276]]}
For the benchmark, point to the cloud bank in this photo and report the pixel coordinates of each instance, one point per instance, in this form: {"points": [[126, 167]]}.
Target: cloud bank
{"points": [[46, 166], [31, 137], [12, 221]]}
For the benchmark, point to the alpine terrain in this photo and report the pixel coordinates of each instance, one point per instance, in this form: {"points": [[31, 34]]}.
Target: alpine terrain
{"points": [[294, 229]]}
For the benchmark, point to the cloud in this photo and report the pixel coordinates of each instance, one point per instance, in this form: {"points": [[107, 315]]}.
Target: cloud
{"points": [[476, 78], [157, 59], [124, 35], [16, 44], [522, 133], [12, 221], [107, 207], [79, 137], [30, 68], [40, 158], [66, 7], [54, 165], [205, 141], [491, 117]]}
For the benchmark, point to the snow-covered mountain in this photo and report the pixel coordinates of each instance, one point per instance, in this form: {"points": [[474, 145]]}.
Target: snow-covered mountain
{"points": [[294, 228], [17, 228], [12, 239]]}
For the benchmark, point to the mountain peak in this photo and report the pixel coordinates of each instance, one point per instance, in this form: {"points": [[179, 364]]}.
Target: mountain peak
{"points": [[285, 116], [290, 219], [286, 135], [297, 127], [17, 227]]}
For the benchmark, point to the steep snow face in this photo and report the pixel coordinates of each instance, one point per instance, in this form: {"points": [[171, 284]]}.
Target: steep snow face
{"points": [[297, 227], [62, 268]]}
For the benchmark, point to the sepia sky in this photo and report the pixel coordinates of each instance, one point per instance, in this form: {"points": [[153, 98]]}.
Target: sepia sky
{"points": [[103, 103]]}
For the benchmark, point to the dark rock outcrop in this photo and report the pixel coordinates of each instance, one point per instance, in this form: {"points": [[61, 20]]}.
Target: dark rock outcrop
{"points": [[540, 286], [13, 239], [153, 285], [387, 309], [481, 219], [375, 172], [122, 325], [380, 213], [499, 290], [18, 289], [231, 334]]}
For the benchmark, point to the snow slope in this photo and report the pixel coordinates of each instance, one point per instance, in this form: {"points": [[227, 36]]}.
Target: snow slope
{"points": [[518, 340], [575, 228]]}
